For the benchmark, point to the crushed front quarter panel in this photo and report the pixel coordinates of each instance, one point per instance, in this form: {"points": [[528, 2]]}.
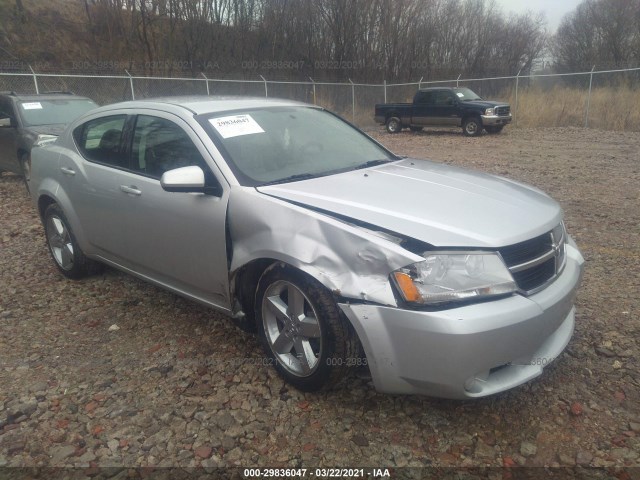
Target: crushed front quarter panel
{"points": [[351, 262]]}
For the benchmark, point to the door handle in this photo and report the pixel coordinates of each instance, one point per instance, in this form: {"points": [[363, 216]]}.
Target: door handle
{"points": [[68, 171], [131, 190]]}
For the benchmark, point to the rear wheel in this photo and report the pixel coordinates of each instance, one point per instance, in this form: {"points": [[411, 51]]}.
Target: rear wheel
{"points": [[494, 129], [393, 125], [472, 126], [63, 246], [303, 330]]}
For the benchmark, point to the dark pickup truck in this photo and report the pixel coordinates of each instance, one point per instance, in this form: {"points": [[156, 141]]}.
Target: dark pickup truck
{"points": [[459, 107]]}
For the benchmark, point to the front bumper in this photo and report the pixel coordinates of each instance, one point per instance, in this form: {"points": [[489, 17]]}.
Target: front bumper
{"points": [[471, 351], [494, 120]]}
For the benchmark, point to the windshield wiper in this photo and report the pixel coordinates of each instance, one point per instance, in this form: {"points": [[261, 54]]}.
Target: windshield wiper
{"points": [[291, 178], [371, 163], [306, 176]]}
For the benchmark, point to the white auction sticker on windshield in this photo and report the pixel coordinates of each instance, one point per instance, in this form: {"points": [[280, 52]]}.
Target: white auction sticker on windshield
{"points": [[32, 106], [236, 125], [460, 94]]}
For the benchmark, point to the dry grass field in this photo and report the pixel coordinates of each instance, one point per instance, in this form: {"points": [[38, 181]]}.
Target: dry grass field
{"points": [[611, 108]]}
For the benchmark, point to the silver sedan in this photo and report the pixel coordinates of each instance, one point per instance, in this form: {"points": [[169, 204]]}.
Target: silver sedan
{"points": [[340, 254]]}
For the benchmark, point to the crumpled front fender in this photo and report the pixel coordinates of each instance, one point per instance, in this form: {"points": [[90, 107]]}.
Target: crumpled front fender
{"points": [[350, 261]]}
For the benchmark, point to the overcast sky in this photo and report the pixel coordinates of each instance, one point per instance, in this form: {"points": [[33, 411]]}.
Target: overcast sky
{"points": [[553, 9]]}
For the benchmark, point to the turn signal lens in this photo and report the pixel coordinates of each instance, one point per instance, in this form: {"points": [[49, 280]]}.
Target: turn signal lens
{"points": [[407, 287]]}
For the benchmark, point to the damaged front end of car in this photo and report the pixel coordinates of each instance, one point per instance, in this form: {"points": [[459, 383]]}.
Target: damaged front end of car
{"points": [[444, 323]]}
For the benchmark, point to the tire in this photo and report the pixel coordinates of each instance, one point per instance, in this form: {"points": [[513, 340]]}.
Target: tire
{"points": [[25, 168], [472, 126], [415, 129], [494, 129], [63, 246], [313, 353], [393, 125]]}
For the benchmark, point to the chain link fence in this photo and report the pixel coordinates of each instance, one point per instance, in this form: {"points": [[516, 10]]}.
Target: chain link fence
{"points": [[608, 99]]}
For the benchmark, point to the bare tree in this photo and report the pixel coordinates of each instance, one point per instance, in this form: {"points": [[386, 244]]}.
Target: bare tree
{"points": [[599, 32], [336, 39]]}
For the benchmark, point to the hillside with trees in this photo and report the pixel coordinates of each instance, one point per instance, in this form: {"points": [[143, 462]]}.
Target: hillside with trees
{"points": [[366, 40]]}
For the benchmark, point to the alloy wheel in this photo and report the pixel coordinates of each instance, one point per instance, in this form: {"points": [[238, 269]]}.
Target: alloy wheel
{"points": [[60, 242], [292, 328]]}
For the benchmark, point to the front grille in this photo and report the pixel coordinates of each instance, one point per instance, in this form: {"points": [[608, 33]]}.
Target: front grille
{"points": [[504, 110], [534, 263], [527, 250], [534, 277]]}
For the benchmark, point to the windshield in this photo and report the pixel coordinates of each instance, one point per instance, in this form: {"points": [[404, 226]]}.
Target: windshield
{"points": [[51, 112], [466, 94], [280, 144]]}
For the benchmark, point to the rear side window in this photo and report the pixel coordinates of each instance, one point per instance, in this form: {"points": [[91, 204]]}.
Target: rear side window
{"points": [[423, 97], [100, 140]]}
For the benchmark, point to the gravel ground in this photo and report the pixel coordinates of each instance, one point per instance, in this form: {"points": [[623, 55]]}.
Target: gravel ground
{"points": [[178, 385]]}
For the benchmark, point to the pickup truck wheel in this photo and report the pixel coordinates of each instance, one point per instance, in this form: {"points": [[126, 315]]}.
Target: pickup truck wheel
{"points": [[472, 127], [63, 246], [393, 125], [303, 332], [494, 129], [415, 129]]}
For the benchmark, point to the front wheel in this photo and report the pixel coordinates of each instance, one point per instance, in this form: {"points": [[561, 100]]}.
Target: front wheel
{"points": [[393, 125], [302, 329], [472, 126], [494, 129]]}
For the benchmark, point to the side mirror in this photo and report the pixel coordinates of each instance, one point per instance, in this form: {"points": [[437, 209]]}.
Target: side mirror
{"points": [[185, 179], [188, 179], [6, 122]]}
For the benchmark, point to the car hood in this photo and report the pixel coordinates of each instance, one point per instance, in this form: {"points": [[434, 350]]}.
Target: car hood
{"points": [[483, 103], [55, 129], [435, 203]]}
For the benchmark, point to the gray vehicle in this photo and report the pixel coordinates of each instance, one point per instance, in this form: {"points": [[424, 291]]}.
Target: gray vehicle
{"points": [[25, 119], [442, 281]]}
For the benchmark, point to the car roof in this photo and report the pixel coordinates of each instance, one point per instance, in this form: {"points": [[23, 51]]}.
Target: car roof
{"points": [[431, 89], [199, 104], [44, 96]]}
